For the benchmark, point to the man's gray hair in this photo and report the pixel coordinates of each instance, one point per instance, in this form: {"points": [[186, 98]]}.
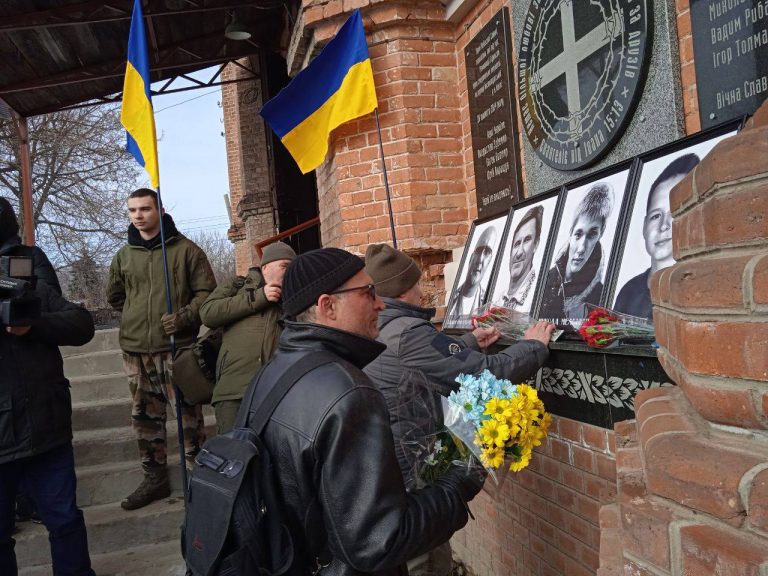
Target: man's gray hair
{"points": [[596, 204], [309, 315]]}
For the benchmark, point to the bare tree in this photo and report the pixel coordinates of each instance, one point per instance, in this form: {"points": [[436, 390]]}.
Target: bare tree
{"points": [[220, 252], [80, 176]]}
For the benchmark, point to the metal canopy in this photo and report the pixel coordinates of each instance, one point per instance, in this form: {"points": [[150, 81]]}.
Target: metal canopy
{"points": [[62, 53]]}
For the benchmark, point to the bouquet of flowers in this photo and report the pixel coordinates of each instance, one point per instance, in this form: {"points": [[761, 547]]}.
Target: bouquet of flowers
{"points": [[501, 422], [510, 323], [604, 327]]}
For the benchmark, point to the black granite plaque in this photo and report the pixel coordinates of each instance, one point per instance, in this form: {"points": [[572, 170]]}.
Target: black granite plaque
{"points": [[493, 117], [581, 70], [730, 44]]}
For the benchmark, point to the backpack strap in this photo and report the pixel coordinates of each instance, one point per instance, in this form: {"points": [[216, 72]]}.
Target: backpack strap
{"points": [[284, 382]]}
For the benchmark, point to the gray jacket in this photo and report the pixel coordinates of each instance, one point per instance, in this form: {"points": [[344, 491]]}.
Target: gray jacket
{"points": [[420, 365]]}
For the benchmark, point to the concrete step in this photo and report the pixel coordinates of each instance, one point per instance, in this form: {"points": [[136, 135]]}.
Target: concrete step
{"points": [[118, 444], [93, 363], [163, 559], [105, 483], [103, 340], [110, 529], [100, 387], [101, 413]]}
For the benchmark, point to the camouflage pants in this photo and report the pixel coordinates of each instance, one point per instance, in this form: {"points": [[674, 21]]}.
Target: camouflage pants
{"points": [[150, 378]]}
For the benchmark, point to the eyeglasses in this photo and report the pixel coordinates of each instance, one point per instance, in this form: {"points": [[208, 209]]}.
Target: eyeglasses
{"points": [[369, 289]]}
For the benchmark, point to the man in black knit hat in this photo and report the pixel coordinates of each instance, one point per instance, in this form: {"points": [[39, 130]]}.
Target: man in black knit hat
{"points": [[342, 492]]}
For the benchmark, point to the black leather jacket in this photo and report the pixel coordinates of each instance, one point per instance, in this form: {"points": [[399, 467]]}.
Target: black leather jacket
{"points": [[332, 447]]}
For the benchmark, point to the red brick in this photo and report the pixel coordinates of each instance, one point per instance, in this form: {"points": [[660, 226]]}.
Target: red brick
{"points": [[694, 280], [645, 531], [760, 281], [594, 437], [572, 477], [698, 473], [708, 550], [734, 407], [633, 569], [758, 501], [735, 349], [584, 459], [606, 467], [570, 430], [733, 159], [739, 216], [683, 194]]}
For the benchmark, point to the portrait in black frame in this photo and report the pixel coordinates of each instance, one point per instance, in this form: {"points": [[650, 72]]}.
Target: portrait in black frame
{"points": [[583, 243], [474, 273], [521, 256], [646, 244]]}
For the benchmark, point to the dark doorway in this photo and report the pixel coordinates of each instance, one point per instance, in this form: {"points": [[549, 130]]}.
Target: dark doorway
{"points": [[295, 193]]}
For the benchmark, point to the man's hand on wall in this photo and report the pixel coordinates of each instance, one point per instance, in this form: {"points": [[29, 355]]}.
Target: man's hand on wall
{"points": [[541, 331]]}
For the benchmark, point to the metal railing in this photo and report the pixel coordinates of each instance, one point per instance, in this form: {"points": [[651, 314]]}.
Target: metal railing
{"points": [[290, 232]]}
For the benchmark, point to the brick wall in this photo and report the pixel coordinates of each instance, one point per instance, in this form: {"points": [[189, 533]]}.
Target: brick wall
{"points": [[693, 467], [687, 68], [545, 521], [250, 188]]}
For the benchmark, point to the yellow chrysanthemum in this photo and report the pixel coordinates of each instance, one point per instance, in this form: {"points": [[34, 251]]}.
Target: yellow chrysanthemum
{"points": [[523, 462], [498, 408], [493, 457], [494, 433]]}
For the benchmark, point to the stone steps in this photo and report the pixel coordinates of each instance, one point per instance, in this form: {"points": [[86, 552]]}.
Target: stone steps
{"points": [[110, 530], [141, 542], [161, 559]]}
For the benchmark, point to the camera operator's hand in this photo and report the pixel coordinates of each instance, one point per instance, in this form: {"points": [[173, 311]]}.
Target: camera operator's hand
{"points": [[18, 330], [273, 292], [486, 336], [541, 331], [171, 323]]}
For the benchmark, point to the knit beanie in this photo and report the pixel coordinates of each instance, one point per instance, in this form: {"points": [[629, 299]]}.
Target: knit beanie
{"points": [[315, 273], [9, 225], [393, 271], [277, 251]]}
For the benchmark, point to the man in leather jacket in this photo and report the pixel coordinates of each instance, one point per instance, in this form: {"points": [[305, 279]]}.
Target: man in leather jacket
{"points": [[330, 440]]}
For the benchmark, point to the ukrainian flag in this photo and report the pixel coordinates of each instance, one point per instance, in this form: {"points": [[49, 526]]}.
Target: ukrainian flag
{"points": [[137, 115], [335, 88]]}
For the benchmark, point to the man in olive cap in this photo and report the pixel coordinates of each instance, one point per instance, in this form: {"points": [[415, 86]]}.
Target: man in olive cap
{"points": [[420, 364], [248, 309], [341, 490]]}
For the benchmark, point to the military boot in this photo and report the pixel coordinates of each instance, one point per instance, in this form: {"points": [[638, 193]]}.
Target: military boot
{"points": [[155, 486]]}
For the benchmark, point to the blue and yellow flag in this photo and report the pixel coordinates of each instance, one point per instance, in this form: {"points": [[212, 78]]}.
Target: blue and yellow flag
{"points": [[335, 88], [137, 115]]}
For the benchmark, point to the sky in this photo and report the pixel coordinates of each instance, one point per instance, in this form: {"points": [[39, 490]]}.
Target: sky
{"points": [[192, 157]]}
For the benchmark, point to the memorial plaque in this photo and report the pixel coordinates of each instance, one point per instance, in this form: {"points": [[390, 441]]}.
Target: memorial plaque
{"points": [[581, 71], [493, 117], [730, 45]]}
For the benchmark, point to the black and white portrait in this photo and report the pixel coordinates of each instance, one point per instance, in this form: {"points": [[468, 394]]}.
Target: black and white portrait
{"points": [[584, 240], [474, 272], [648, 247], [522, 255]]}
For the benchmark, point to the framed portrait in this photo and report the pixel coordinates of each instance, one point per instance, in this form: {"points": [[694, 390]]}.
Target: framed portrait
{"points": [[579, 257], [646, 245], [521, 256], [471, 286]]}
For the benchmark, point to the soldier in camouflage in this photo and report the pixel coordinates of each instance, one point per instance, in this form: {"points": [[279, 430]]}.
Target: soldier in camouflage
{"points": [[136, 287]]}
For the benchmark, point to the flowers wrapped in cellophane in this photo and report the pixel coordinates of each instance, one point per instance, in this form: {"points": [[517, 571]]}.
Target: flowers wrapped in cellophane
{"points": [[501, 422], [604, 327], [511, 323]]}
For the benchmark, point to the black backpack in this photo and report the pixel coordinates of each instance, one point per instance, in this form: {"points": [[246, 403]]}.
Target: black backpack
{"points": [[233, 524]]}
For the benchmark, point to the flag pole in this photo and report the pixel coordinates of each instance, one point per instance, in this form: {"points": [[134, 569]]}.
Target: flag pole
{"points": [[386, 181], [169, 309]]}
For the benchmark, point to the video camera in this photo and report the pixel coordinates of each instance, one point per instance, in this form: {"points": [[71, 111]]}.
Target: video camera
{"points": [[18, 305]]}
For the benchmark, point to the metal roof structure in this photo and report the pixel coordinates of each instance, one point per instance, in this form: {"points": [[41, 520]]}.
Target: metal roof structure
{"points": [[62, 53]]}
